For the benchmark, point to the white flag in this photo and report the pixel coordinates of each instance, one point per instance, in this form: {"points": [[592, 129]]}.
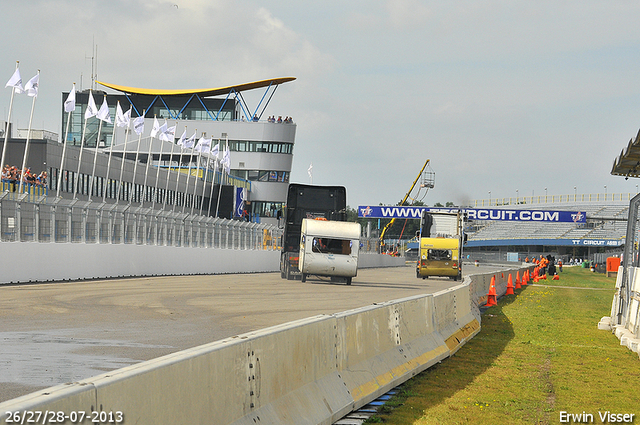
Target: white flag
{"points": [[182, 138], [190, 141], [161, 131], [122, 119], [204, 145], [92, 109], [226, 160], [16, 81], [155, 128], [70, 103], [169, 134], [103, 113], [310, 170], [138, 125], [32, 86], [215, 150]]}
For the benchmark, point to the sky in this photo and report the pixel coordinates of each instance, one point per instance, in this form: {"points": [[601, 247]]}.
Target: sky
{"points": [[505, 98]]}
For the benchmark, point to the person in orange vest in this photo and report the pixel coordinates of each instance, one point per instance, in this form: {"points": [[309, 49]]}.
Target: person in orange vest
{"points": [[543, 265], [560, 265], [526, 260]]}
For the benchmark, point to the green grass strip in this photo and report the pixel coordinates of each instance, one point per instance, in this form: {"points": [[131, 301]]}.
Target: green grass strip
{"points": [[539, 353]]}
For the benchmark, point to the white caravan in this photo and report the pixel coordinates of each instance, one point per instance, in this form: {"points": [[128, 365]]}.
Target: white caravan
{"points": [[329, 248]]}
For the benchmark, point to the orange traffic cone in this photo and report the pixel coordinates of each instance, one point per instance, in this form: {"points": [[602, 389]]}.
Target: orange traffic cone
{"points": [[510, 286], [556, 277], [525, 277], [491, 296], [518, 279]]}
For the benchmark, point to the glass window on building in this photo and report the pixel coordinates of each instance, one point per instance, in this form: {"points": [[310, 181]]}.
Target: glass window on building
{"points": [[266, 209]]}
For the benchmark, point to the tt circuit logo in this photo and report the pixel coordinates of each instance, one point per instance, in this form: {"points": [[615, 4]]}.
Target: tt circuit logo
{"points": [[577, 217], [366, 212]]}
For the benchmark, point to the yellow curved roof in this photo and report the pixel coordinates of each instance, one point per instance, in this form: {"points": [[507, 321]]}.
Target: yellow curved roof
{"points": [[201, 92]]}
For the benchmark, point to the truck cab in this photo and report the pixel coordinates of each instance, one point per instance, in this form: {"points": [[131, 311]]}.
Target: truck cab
{"points": [[307, 202]]}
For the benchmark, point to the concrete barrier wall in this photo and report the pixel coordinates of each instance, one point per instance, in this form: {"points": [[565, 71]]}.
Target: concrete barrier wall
{"points": [[368, 260], [311, 371], [41, 262], [69, 261]]}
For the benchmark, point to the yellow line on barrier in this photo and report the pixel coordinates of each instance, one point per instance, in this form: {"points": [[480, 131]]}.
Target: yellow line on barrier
{"points": [[462, 334], [381, 380]]}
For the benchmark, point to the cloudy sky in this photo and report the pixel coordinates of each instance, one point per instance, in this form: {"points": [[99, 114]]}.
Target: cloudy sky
{"points": [[506, 97]]}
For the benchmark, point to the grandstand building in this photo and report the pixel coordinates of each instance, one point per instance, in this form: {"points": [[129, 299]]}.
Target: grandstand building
{"points": [[604, 229], [115, 164]]}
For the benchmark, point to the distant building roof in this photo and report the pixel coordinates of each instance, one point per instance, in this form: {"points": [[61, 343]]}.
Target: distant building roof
{"points": [[201, 92]]}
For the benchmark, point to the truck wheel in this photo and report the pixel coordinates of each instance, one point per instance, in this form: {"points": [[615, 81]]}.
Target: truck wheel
{"points": [[304, 277], [348, 281], [287, 268]]}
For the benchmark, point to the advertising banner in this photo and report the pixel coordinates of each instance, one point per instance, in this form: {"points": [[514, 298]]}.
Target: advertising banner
{"points": [[477, 214]]}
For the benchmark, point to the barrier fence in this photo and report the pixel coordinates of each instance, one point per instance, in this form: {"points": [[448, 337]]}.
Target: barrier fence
{"points": [[553, 199], [61, 220], [625, 308]]}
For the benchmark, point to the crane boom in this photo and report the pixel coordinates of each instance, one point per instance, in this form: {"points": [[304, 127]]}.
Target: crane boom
{"points": [[389, 224]]}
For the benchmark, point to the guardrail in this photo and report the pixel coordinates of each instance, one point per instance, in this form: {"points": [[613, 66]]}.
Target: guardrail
{"points": [[311, 371]]}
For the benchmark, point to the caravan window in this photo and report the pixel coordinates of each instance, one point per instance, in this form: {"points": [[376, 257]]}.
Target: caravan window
{"points": [[331, 246]]}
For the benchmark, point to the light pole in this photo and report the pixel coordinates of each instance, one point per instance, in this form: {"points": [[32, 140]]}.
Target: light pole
{"points": [[517, 196], [489, 198], [575, 193], [545, 195], [605, 192]]}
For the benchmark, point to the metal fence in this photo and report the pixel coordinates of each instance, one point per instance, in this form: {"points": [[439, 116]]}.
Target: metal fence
{"points": [[621, 313], [55, 220]]}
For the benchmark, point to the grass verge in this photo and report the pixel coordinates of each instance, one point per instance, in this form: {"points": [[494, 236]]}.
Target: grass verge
{"points": [[539, 353]]}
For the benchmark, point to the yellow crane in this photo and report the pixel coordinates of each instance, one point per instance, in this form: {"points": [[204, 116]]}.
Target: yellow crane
{"points": [[428, 183]]}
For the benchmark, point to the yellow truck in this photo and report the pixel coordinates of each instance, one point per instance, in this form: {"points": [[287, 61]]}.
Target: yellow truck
{"points": [[441, 240]]}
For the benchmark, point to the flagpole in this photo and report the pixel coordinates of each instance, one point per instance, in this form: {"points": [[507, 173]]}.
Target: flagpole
{"points": [[124, 151], [204, 179], [166, 188], [6, 132], [175, 201], [146, 172], [113, 140], [155, 191], [186, 188], [26, 147], [64, 146], [84, 131], [95, 155], [222, 176], [135, 166], [213, 179], [195, 179]]}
